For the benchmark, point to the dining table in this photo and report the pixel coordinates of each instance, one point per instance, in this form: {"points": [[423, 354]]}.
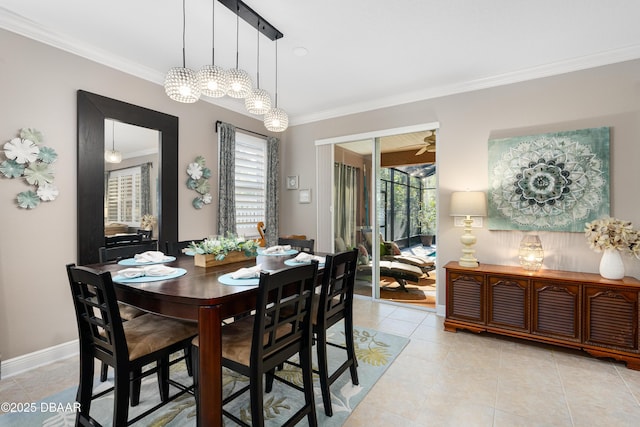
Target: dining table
{"points": [[199, 296]]}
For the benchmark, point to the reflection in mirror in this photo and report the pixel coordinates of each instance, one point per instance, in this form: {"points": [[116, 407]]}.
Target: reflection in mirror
{"points": [[92, 111], [131, 182]]}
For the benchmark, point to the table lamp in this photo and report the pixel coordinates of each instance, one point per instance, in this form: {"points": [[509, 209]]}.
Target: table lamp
{"points": [[468, 204]]}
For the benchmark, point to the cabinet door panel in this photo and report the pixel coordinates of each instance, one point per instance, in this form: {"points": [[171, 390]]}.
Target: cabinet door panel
{"points": [[556, 310], [466, 299], [611, 318], [508, 300]]}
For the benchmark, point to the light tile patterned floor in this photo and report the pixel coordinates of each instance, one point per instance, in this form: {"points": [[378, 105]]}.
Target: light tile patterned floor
{"points": [[452, 379]]}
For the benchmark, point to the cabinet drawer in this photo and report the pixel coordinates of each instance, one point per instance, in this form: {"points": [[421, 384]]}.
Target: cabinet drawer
{"points": [[556, 310], [611, 318], [465, 297], [508, 302]]}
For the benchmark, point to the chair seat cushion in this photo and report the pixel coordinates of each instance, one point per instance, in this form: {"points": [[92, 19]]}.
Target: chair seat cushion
{"points": [[236, 339], [129, 312], [149, 332]]}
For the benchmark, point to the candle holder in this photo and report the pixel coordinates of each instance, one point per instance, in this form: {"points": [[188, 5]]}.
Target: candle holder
{"points": [[530, 253]]}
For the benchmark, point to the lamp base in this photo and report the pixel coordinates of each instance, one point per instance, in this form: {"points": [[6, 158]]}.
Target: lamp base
{"points": [[468, 240], [473, 263]]}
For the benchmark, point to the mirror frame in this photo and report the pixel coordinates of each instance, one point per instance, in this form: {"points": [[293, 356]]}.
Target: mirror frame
{"points": [[93, 109]]}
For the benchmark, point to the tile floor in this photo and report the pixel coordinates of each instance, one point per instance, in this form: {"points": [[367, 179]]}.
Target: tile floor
{"points": [[452, 379]]}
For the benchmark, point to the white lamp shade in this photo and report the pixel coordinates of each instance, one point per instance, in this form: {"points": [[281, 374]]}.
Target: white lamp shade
{"points": [[258, 101], [276, 120], [182, 85], [214, 81], [240, 83], [472, 203]]}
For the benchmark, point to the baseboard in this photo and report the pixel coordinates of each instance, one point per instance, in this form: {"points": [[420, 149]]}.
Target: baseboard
{"points": [[29, 361]]}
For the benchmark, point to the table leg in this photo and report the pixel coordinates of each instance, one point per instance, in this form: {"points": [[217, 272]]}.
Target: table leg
{"points": [[210, 368]]}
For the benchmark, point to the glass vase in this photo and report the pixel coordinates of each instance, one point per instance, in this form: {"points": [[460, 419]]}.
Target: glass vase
{"points": [[530, 253]]}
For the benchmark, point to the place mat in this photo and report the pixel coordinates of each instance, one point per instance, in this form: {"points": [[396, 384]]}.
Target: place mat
{"points": [[283, 253], [226, 279], [144, 279], [133, 262], [293, 263]]}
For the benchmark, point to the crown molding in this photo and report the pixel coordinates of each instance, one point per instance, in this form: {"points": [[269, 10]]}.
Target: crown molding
{"points": [[27, 28]]}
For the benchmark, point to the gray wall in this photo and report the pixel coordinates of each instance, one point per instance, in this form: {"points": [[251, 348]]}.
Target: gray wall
{"points": [[39, 85]]}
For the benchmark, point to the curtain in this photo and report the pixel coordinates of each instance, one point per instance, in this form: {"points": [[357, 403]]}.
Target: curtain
{"points": [[145, 189], [226, 180], [346, 202], [273, 173]]}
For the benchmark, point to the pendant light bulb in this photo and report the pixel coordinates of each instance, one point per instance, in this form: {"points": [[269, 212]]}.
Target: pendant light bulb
{"points": [[240, 83], [113, 155], [214, 81], [276, 119], [181, 83]]}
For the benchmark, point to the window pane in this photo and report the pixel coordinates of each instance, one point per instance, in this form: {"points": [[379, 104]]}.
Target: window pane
{"points": [[250, 184]]}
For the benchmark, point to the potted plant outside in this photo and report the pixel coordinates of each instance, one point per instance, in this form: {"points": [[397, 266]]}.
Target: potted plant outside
{"points": [[427, 220]]}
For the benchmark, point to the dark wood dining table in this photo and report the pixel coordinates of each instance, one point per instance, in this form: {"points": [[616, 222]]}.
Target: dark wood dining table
{"points": [[199, 296]]}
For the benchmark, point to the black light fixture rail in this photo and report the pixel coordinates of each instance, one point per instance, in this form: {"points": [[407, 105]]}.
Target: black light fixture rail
{"points": [[256, 21]]}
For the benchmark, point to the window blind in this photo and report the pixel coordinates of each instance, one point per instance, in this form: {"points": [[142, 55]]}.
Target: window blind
{"points": [[250, 184]]}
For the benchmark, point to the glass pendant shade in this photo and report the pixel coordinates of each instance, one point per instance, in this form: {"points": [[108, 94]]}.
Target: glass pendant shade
{"points": [[240, 83], [530, 253], [276, 120], [258, 101], [112, 156], [213, 81], [182, 85]]}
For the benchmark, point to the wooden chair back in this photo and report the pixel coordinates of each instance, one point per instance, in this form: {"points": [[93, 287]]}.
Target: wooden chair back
{"points": [[175, 248], [299, 244], [282, 325], [123, 239], [115, 253], [336, 294]]}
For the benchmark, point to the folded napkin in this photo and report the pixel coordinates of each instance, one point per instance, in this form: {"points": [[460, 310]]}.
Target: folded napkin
{"points": [[247, 272], [307, 257], [150, 256], [152, 270], [277, 249]]}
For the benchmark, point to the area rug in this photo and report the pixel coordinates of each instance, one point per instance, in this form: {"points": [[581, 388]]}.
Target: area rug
{"points": [[375, 351]]}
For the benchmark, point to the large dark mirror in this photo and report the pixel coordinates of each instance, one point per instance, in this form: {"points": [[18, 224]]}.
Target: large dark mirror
{"points": [[93, 110]]}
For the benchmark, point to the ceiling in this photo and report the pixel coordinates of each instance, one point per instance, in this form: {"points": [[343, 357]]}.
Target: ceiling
{"points": [[361, 54]]}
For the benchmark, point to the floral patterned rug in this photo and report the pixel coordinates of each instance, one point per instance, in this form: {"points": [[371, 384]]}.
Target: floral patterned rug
{"points": [[375, 351]]}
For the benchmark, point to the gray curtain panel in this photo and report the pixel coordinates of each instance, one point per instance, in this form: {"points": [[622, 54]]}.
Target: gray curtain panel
{"points": [[145, 189], [226, 180], [346, 202], [273, 180]]}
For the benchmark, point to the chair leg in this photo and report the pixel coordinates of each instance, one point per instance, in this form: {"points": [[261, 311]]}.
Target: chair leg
{"points": [[195, 363], [270, 378], [121, 400], [307, 378], [163, 377], [351, 351], [135, 386], [85, 385], [104, 370], [323, 370], [257, 409], [188, 360]]}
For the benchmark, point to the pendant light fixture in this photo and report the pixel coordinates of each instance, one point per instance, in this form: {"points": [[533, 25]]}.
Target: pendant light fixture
{"points": [[259, 100], [276, 119], [240, 83], [213, 79], [113, 155], [182, 84]]}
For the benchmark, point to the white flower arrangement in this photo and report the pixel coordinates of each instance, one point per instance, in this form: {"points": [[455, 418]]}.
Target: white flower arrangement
{"points": [[221, 246], [25, 158], [613, 233], [199, 181]]}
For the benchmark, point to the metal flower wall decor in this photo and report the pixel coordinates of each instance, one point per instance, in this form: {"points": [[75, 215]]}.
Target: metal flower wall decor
{"points": [[554, 181], [198, 180], [26, 158]]}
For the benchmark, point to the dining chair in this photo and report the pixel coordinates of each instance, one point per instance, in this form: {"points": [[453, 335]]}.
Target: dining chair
{"points": [[335, 303], [127, 347], [115, 253], [281, 328], [175, 248], [123, 239], [303, 245]]}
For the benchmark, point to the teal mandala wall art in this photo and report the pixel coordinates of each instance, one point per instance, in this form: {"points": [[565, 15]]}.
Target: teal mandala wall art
{"points": [[549, 182]]}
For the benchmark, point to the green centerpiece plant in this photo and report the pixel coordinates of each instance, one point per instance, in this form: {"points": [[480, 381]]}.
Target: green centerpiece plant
{"points": [[221, 247]]}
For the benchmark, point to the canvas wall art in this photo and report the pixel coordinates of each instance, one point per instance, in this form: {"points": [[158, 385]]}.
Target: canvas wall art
{"points": [[549, 182]]}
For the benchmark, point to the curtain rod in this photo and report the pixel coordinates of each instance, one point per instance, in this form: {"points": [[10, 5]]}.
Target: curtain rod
{"points": [[218, 122]]}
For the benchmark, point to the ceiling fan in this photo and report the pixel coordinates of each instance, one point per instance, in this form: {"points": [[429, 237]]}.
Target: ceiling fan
{"points": [[429, 143]]}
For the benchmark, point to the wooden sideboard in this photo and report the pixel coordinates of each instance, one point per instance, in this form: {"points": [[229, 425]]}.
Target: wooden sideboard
{"points": [[577, 310]]}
